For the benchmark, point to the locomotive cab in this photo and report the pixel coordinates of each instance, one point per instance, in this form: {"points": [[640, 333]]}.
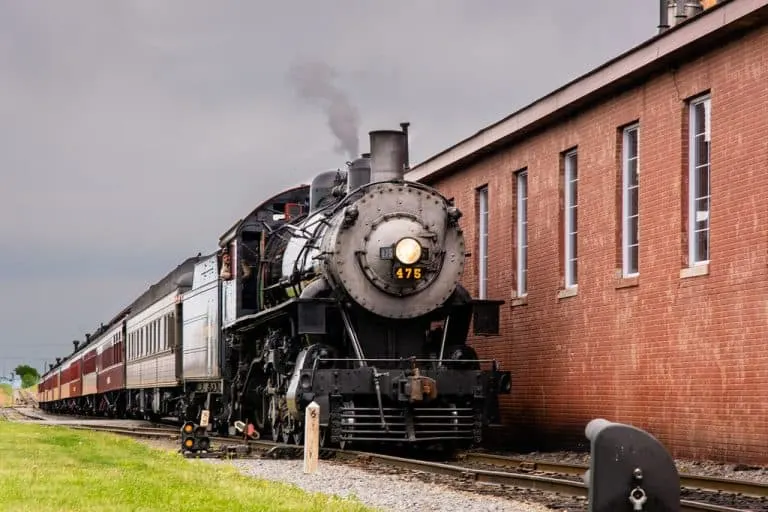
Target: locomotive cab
{"points": [[246, 272]]}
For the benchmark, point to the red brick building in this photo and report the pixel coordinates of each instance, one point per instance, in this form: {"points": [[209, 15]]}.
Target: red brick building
{"points": [[623, 220]]}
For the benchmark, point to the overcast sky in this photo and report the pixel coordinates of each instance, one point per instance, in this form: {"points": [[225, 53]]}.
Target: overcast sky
{"points": [[134, 133]]}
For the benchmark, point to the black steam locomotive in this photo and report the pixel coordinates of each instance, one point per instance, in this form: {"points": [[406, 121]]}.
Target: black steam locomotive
{"points": [[350, 297]]}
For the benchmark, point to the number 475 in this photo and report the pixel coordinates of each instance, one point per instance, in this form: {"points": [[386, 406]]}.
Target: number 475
{"points": [[408, 273]]}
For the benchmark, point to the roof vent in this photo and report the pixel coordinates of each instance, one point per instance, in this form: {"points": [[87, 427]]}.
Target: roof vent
{"points": [[674, 12]]}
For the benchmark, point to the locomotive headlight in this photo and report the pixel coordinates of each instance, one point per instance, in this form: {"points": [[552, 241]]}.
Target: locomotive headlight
{"points": [[408, 251]]}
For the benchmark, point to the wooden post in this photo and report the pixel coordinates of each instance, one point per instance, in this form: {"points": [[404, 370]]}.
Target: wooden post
{"points": [[311, 437]]}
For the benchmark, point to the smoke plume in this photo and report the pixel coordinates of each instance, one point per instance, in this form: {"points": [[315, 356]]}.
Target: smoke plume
{"points": [[314, 82]]}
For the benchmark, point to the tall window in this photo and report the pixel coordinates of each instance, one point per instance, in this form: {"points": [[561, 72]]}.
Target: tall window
{"points": [[522, 233], [630, 202], [698, 181], [571, 218], [482, 217]]}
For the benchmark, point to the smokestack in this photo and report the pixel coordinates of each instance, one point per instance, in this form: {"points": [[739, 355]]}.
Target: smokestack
{"points": [[76, 343], [58, 361], [50, 366], [663, 16], [87, 338], [389, 150]]}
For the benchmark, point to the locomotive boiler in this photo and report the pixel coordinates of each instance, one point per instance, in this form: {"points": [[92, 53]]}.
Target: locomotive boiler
{"points": [[347, 293]]}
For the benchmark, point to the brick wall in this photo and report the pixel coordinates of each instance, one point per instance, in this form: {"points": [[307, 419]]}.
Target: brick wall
{"points": [[684, 358]]}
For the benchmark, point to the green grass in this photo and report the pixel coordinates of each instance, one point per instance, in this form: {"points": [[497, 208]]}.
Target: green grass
{"points": [[47, 468]]}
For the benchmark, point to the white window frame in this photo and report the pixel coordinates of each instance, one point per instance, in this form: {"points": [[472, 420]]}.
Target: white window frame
{"points": [[521, 187], [482, 236], [571, 261], [627, 188], [694, 258]]}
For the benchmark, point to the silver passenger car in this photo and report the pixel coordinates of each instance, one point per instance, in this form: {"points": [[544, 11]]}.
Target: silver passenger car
{"points": [[201, 324]]}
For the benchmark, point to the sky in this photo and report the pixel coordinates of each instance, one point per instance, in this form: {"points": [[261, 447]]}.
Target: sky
{"points": [[134, 133]]}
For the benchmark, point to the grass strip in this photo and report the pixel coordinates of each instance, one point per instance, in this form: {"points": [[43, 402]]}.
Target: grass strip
{"points": [[49, 468]]}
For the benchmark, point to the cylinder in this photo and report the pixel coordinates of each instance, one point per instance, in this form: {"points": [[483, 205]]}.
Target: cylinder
{"points": [[389, 150]]}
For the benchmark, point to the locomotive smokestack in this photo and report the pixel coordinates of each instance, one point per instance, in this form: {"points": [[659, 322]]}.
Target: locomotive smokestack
{"points": [[76, 343], [58, 361], [389, 154], [50, 366]]}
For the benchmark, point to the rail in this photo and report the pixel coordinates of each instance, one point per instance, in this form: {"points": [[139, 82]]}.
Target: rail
{"points": [[696, 482]]}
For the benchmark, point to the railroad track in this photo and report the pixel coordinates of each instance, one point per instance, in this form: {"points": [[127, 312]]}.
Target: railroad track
{"points": [[139, 432], [10, 414], [518, 474], [687, 481]]}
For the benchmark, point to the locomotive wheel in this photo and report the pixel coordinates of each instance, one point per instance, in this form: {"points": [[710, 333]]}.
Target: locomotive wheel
{"points": [[277, 432], [289, 430], [276, 421], [298, 434], [260, 411]]}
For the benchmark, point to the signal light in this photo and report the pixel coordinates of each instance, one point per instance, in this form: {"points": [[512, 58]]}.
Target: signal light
{"points": [[194, 438], [203, 441]]}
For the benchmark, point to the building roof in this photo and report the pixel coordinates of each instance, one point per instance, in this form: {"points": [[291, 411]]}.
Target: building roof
{"points": [[692, 37]]}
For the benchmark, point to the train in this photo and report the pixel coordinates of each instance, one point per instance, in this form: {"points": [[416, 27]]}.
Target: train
{"points": [[345, 292]]}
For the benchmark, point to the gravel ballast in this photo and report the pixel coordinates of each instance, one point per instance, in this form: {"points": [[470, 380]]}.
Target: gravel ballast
{"points": [[386, 492]]}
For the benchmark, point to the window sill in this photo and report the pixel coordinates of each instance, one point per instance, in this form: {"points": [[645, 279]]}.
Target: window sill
{"points": [[695, 271], [627, 282], [568, 292], [518, 301]]}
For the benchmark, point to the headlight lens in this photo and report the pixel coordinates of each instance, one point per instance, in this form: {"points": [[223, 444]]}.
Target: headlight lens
{"points": [[408, 251]]}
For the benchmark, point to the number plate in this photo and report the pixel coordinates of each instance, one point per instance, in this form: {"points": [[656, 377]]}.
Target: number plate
{"points": [[408, 273]]}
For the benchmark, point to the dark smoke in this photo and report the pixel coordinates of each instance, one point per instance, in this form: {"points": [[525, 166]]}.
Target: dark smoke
{"points": [[314, 82]]}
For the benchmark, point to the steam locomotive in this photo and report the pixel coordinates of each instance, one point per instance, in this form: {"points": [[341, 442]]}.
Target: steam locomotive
{"points": [[345, 292]]}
